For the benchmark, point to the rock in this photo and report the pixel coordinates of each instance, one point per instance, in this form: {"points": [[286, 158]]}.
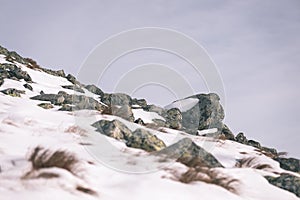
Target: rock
{"points": [[291, 164], [55, 99], [139, 121], [72, 79], [11, 71], [1, 81], [118, 99], [270, 151], [13, 92], [94, 89], [174, 118], [140, 102], [46, 105], [115, 129], [227, 133], [156, 109], [27, 86], [81, 102], [190, 154], [143, 139], [66, 107], [42, 92], [206, 114], [59, 73], [254, 143], [286, 182], [124, 111], [159, 122], [241, 138], [73, 87]]}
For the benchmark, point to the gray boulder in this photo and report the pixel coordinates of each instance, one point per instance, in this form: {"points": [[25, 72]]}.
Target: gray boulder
{"points": [[241, 138], [13, 92], [140, 102], [174, 118], [94, 89], [11, 71], [46, 105], [117, 99], [143, 139], [156, 109], [286, 182], [1, 81], [254, 143], [72, 79], [114, 129], [291, 164], [124, 112], [190, 154], [207, 113]]}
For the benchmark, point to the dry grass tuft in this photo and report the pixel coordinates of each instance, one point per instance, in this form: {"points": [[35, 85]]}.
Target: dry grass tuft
{"points": [[86, 190], [210, 176], [41, 158], [250, 163]]}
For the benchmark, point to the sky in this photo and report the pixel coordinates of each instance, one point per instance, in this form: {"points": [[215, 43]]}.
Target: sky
{"points": [[255, 45]]}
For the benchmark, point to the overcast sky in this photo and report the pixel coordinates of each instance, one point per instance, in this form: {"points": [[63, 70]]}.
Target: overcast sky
{"points": [[255, 45]]}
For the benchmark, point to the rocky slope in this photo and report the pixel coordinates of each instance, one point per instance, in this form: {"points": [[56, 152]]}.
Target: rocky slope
{"points": [[62, 139]]}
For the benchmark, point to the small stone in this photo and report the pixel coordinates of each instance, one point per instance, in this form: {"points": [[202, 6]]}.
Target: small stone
{"points": [[27, 86], [46, 105]]}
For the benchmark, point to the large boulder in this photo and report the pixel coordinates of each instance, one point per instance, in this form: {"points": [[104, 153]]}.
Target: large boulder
{"points": [[143, 139], [156, 109], [56, 99], [206, 113], [114, 129], [139, 102], [174, 118], [287, 182], [11, 71], [124, 112], [241, 138], [291, 164], [190, 154], [73, 87]]}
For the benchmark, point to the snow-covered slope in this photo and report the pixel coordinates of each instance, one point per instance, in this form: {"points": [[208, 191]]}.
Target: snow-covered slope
{"points": [[126, 173]]}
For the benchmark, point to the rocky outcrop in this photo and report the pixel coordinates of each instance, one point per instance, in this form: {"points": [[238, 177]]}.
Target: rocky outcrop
{"points": [[114, 129], [124, 112], [143, 139], [27, 86], [190, 154], [291, 164], [140, 102], [11, 71], [286, 182], [78, 102], [13, 92], [117, 99], [73, 87]]}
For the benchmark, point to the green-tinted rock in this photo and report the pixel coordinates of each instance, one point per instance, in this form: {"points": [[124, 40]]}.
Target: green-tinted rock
{"points": [[114, 129], [291, 164], [143, 139]]}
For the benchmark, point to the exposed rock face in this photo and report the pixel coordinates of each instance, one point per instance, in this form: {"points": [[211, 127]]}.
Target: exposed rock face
{"points": [[115, 129], [143, 139], [174, 118], [156, 109], [254, 144], [13, 92], [291, 164], [118, 99], [190, 154], [94, 89], [72, 79], [286, 182]]}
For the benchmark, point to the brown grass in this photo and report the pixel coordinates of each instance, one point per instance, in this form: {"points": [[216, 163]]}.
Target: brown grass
{"points": [[210, 176], [249, 163], [41, 158]]}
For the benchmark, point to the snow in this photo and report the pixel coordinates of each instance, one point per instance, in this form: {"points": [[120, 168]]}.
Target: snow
{"points": [[107, 166], [147, 117], [184, 104]]}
